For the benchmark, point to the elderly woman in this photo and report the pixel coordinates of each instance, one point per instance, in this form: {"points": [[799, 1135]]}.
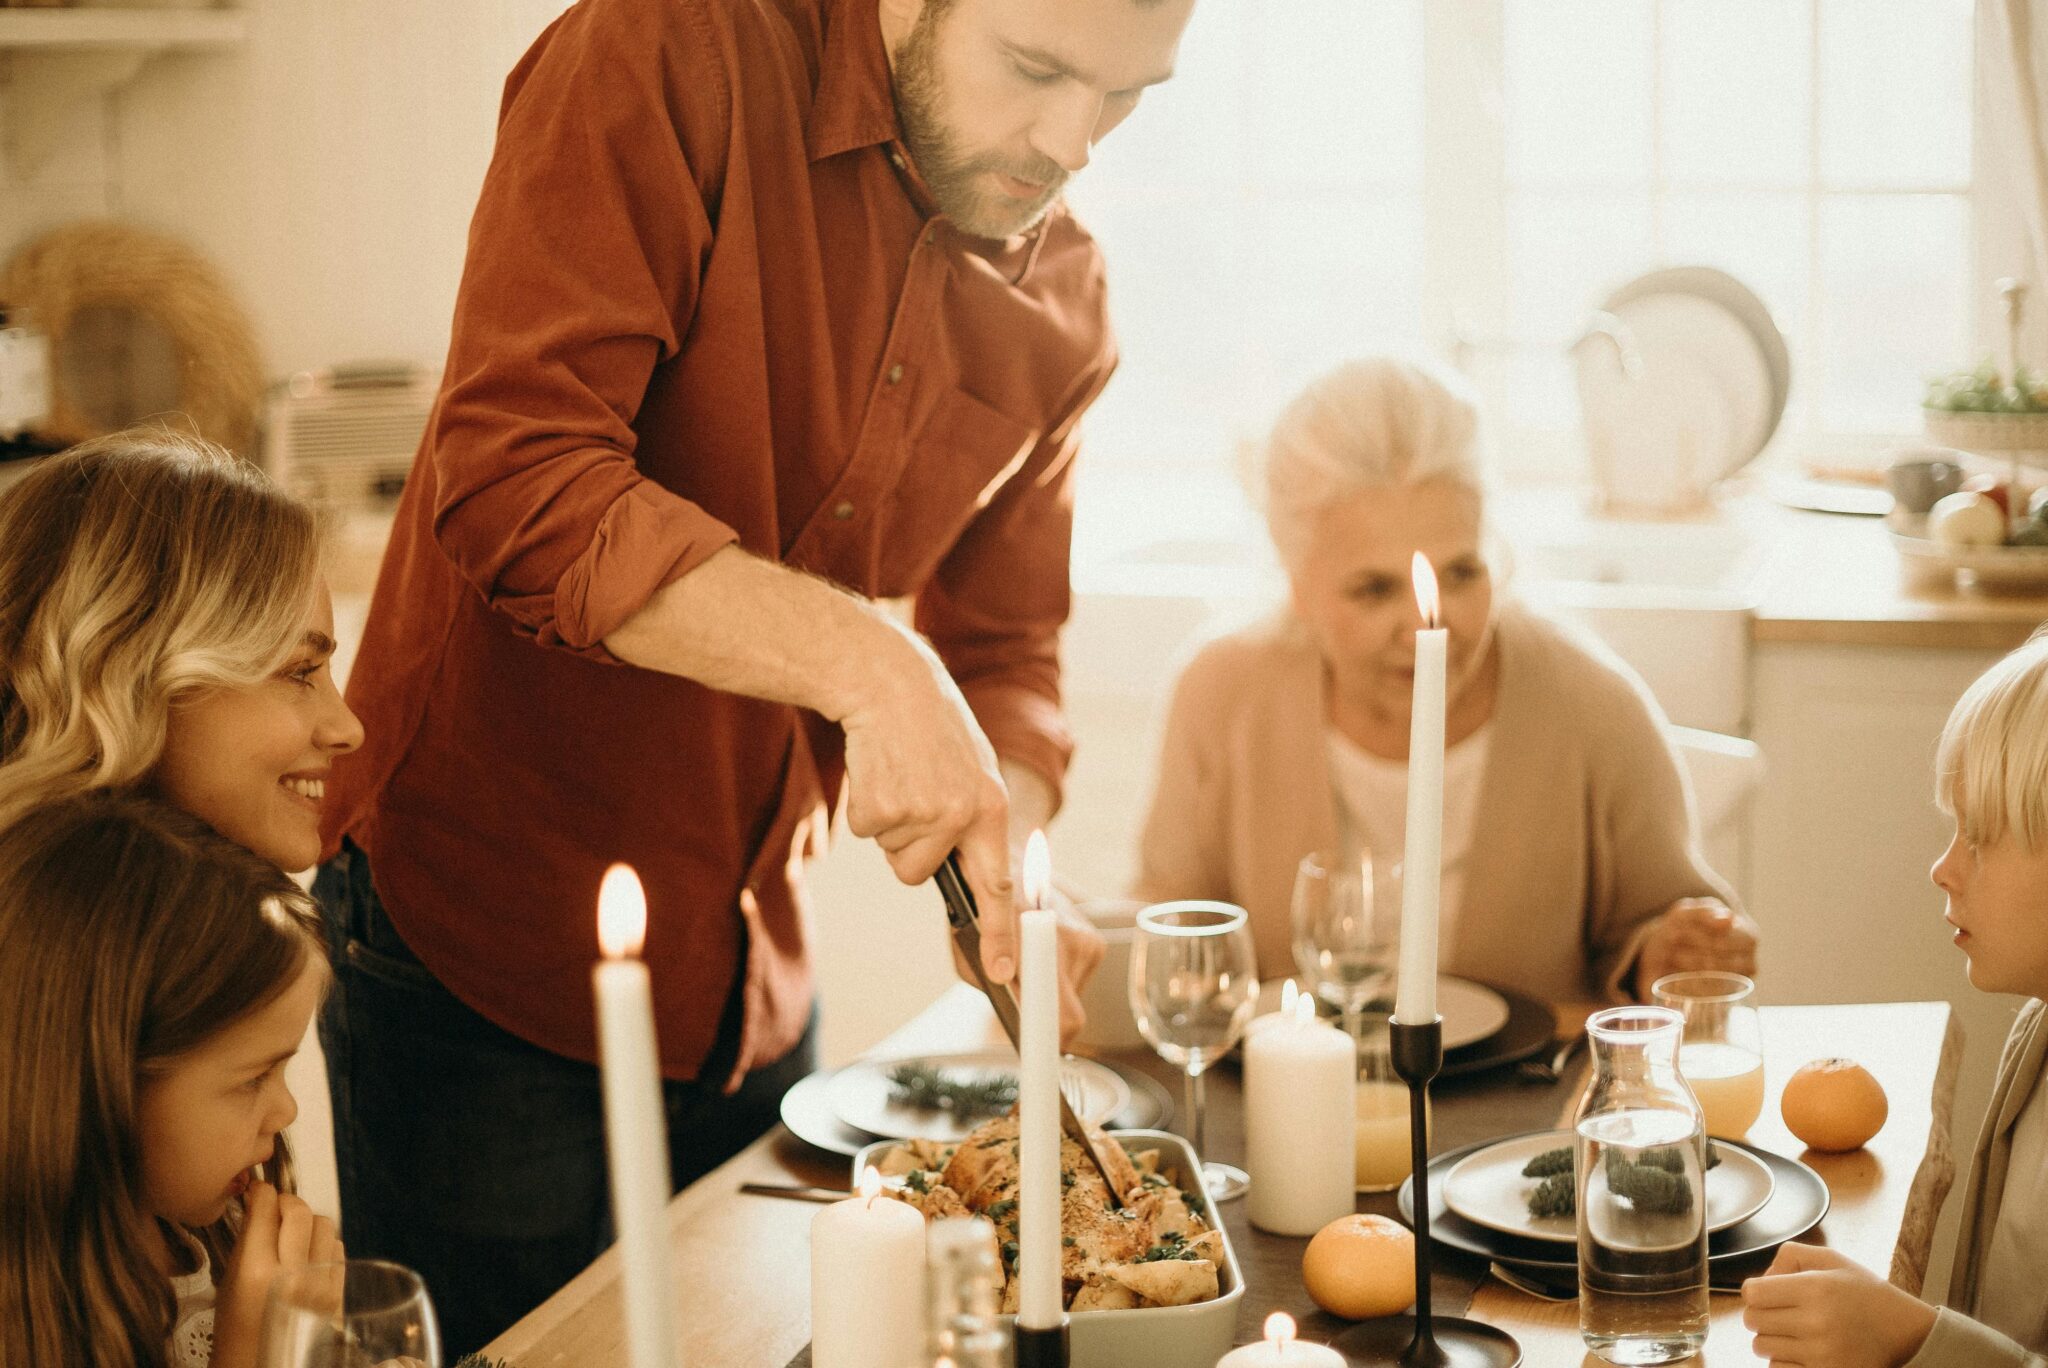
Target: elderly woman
{"points": [[1571, 865]]}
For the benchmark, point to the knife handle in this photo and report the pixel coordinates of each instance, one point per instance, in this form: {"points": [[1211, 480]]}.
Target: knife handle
{"points": [[960, 906]]}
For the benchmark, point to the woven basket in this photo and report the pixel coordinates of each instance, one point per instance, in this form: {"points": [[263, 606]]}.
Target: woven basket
{"points": [[101, 263]]}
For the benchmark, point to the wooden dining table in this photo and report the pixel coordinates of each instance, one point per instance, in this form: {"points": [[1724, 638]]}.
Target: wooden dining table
{"points": [[741, 1267]]}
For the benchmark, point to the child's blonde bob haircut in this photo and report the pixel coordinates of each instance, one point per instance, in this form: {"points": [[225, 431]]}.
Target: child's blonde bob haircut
{"points": [[1991, 768]]}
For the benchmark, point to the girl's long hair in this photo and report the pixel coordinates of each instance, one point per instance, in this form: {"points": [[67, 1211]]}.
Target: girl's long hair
{"points": [[130, 933], [135, 570]]}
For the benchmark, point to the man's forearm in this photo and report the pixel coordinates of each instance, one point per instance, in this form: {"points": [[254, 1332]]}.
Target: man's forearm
{"points": [[744, 625], [1033, 801]]}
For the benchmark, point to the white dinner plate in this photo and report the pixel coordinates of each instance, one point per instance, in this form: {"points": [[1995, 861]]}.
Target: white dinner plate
{"points": [[862, 1095], [1487, 1188], [1471, 1011]]}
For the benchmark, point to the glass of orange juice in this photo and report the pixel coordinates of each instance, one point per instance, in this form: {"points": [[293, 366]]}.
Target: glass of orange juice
{"points": [[1722, 1053], [1384, 1150]]}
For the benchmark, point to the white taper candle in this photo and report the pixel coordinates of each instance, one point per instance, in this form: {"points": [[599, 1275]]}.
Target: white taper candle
{"points": [[1422, 862], [636, 1139], [1040, 1298]]}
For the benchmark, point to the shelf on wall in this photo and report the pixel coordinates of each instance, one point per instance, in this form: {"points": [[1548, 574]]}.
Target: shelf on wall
{"points": [[51, 60]]}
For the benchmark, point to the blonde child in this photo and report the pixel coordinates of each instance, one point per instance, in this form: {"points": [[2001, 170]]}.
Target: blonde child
{"points": [[164, 627], [1819, 1310], [154, 979]]}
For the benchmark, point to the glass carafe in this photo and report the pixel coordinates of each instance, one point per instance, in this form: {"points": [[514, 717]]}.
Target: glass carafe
{"points": [[1641, 1193]]}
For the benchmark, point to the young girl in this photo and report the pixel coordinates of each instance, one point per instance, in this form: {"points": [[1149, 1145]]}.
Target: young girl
{"points": [[154, 979], [1819, 1310], [164, 626]]}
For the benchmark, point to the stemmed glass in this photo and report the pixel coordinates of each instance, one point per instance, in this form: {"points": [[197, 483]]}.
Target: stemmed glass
{"points": [[363, 1313], [1345, 943], [1194, 987]]}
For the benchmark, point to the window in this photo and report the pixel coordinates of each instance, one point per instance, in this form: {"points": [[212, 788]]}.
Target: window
{"points": [[1470, 177]]}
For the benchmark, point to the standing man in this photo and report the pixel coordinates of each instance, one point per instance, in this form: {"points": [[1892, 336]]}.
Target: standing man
{"points": [[771, 310]]}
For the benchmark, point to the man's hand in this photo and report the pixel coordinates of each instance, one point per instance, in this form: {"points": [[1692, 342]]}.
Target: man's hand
{"points": [[1696, 933], [1818, 1309], [279, 1233], [922, 781]]}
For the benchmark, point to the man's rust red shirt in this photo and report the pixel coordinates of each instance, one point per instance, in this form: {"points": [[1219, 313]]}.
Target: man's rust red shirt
{"points": [[706, 301]]}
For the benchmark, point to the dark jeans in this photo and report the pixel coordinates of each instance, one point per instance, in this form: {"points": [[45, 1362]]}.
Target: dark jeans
{"points": [[471, 1155]]}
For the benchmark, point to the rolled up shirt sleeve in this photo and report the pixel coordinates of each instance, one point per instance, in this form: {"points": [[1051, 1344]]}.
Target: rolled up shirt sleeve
{"points": [[598, 226]]}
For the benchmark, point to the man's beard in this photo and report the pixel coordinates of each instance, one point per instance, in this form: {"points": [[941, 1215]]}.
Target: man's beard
{"points": [[954, 175]]}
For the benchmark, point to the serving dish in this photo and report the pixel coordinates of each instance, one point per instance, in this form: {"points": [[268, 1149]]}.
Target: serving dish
{"points": [[1152, 1337]]}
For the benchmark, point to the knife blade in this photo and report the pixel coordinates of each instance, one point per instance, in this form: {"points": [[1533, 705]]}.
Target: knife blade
{"points": [[965, 920]]}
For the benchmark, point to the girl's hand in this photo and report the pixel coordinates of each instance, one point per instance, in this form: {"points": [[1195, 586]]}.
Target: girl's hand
{"points": [[279, 1233], [1817, 1309]]}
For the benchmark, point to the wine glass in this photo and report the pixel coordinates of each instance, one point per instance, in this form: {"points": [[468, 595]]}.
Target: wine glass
{"points": [[362, 1313], [1722, 1053], [1194, 987], [1345, 939]]}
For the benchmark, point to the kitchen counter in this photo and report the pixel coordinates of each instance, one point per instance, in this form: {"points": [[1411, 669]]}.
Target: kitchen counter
{"points": [[1807, 578]]}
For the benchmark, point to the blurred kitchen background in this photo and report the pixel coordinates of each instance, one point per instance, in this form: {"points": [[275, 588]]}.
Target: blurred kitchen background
{"points": [[1701, 258]]}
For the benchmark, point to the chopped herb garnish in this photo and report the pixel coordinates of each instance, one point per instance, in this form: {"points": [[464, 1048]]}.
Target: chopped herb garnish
{"points": [[915, 1181], [924, 1088]]}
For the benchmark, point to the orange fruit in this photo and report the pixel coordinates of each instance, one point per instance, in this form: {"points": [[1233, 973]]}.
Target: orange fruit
{"points": [[1361, 1266], [1833, 1105]]}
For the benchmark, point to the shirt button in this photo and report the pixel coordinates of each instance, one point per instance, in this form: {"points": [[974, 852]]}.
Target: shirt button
{"points": [[842, 511], [896, 159], [896, 373]]}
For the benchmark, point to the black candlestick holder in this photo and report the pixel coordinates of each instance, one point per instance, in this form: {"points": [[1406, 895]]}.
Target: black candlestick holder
{"points": [[1045, 1348], [1424, 1340]]}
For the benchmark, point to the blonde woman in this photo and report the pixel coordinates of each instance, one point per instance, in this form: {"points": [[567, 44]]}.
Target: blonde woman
{"points": [[164, 626], [1571, 866]]}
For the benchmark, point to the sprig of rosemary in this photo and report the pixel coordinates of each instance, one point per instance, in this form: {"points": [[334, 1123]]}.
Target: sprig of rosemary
{"points": [[924, 1088]]}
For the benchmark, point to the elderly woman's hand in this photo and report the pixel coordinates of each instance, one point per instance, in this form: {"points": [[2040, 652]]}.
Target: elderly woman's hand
{"points": [[1696, 933]]}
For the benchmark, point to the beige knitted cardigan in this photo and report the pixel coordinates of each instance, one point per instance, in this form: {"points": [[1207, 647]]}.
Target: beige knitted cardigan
{"points": [[1585, 828]]}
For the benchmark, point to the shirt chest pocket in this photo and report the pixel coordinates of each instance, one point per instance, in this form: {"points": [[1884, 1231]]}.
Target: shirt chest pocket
{"points": [[955, 464]]}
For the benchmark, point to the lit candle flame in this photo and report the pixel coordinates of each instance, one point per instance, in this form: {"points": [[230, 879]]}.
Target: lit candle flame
{"points": [[1279, 1329], [1426, 598], [1037, 870], [1304, 1009], [1289, 993], [621, 913], [871, 1183]]}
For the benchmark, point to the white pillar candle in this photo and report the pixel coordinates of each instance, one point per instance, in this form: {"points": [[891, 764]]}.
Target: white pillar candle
{"points": [[867, 1282], [636, 1139], [1041, 1301], [1280, 1349], [1422, 862], [1299, 1079]]}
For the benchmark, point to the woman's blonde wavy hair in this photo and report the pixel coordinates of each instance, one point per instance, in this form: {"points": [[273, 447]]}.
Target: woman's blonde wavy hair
{"points": [[1991, 766], [136, 570]]}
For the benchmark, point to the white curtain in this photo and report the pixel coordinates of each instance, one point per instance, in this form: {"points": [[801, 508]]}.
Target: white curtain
{"points": [[2015, 76]]}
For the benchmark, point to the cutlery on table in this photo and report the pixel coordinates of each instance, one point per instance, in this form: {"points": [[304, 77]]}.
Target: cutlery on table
{"points": [[1551, 1069], [796, 1192], [966, 924]]}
